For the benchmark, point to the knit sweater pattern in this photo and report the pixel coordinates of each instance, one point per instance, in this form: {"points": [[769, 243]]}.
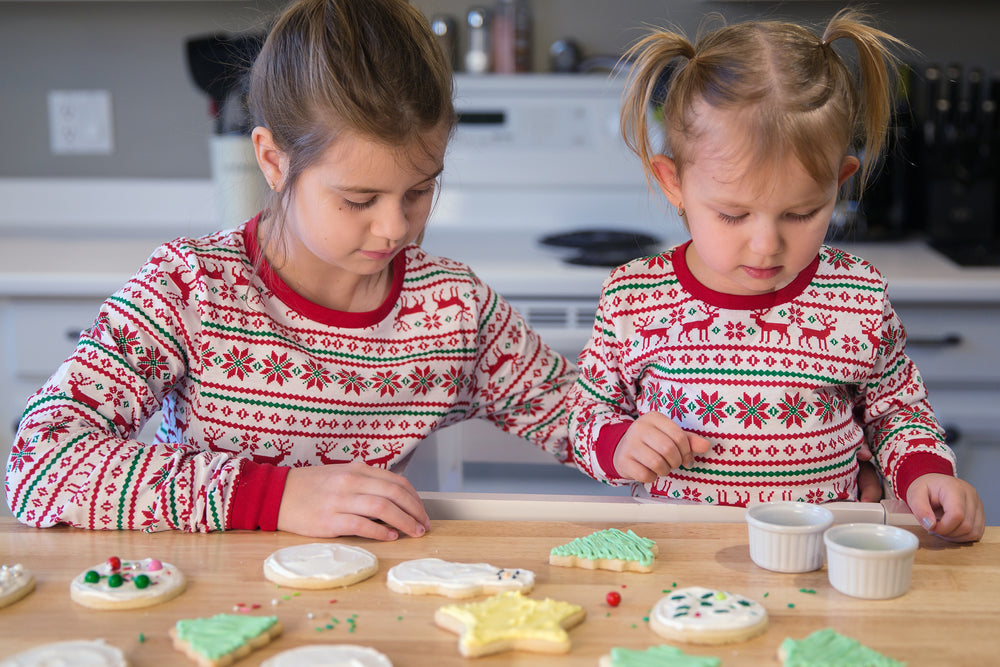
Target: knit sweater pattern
{"points": [[250, 380], [785, 386]]}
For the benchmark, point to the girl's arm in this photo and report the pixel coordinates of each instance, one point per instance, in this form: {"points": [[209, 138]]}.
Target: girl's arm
{"points": [[899, 423], [909, 443], [602, 404], [520, 383], [75, 458]]}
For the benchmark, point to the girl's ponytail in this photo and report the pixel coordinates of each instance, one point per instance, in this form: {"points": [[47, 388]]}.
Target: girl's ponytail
{"points": [[877, 61], [652, 64]]}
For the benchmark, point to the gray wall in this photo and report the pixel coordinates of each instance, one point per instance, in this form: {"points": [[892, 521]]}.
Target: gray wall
{"points": [[161, 122]]}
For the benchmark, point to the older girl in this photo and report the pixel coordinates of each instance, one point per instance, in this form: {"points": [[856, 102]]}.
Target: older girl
{"points": [[299, 357]]}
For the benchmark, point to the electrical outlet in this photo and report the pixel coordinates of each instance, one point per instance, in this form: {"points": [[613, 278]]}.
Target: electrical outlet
{"points": [[80, 122]]}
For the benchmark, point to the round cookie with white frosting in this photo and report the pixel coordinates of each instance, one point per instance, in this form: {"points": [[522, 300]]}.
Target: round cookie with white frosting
{"points": [[80, 652], [16, 581], [705, 616], [320, 565], [433, 576], [127, 584], [329, 655]]}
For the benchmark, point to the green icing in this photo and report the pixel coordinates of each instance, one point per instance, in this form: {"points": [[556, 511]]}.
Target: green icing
{"points": [[221, 634], [660, 656], [828, 648], [609, 544]]}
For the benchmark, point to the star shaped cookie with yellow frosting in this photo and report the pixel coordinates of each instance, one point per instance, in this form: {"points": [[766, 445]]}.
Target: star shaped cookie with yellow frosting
{"points": [[510, 621]]}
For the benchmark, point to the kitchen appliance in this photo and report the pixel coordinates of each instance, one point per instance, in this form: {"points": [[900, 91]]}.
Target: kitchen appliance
{"points": [[219, 65], [540, 196]]}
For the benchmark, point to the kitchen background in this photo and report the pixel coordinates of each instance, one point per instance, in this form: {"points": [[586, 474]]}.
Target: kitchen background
{"points": [[74, 225], [135, 51]]}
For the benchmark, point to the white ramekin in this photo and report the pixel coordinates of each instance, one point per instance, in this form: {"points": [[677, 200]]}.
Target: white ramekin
{"points": [[787, 536], [870, 560]]}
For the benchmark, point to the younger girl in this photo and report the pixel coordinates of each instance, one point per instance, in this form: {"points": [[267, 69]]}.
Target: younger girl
{"points": [[752, 363], [314, 335]]}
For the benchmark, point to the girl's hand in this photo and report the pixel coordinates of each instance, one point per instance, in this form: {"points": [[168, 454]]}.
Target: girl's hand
{"points": [[947, 507], [653, 446], [869, 481], [351, 499]]}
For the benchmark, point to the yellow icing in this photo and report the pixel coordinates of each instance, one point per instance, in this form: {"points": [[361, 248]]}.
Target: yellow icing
{"points": [[509, 616]]}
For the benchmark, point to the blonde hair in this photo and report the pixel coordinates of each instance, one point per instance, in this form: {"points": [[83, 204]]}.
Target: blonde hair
{"points": [[370, 67], [794, 92]]}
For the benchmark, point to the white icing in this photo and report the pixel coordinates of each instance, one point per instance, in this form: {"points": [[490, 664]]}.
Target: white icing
{"points": [[698, 608], [459, 576], [78, 653], [161, 581], [335, 655], [13, 577], [321, 560]]}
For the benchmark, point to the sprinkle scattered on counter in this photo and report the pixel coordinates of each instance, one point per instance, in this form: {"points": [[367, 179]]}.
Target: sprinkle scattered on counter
{"points": [[810, 591], [142, 638], [791, 605]]}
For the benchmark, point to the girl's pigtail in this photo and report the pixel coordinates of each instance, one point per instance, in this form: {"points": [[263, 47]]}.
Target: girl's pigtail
{"points": [[652, 64], [877, 68]]}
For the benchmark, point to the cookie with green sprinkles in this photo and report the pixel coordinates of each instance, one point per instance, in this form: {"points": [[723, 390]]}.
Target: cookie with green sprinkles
{"points": [[223, 639], [609, 549], [705, 616], [661, 656], [829, 648]]}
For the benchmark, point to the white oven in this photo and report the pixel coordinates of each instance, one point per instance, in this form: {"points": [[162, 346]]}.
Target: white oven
{"points": [[536, 158]]}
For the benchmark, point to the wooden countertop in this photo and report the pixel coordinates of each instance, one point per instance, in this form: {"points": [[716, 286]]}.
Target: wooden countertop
{"points": [[949, 616]]}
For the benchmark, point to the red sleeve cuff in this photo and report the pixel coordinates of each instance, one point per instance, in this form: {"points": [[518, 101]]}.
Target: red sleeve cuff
{"points": [[607, 442], [919, 463], [258, 496]]}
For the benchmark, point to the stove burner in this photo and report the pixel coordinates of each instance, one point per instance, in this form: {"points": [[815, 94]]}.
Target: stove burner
{"points": [[599, 238], [603, 247]]}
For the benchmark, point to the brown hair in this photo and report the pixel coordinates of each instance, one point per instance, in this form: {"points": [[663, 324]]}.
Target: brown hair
{"points": [[371, 67], [795, 93]]}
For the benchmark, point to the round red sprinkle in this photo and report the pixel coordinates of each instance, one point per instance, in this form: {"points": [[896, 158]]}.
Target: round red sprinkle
{"points": [[115, 563], [614, 598]]}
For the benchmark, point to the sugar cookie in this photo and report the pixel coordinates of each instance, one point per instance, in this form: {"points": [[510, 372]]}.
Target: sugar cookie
{"points": [[704, 616], [224, 638], [830, 649], [433, 576], [329, 655], [661, 656], [510, 621], [127, 584], [78, 652], [16, 581], [320, 565], [609, 549]]}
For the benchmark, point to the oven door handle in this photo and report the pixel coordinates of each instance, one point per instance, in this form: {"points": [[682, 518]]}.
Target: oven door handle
{"points": [[944, 340]]}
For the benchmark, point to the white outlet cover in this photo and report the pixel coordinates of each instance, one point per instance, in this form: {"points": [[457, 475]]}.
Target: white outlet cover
{"points": [[80, 122]]}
